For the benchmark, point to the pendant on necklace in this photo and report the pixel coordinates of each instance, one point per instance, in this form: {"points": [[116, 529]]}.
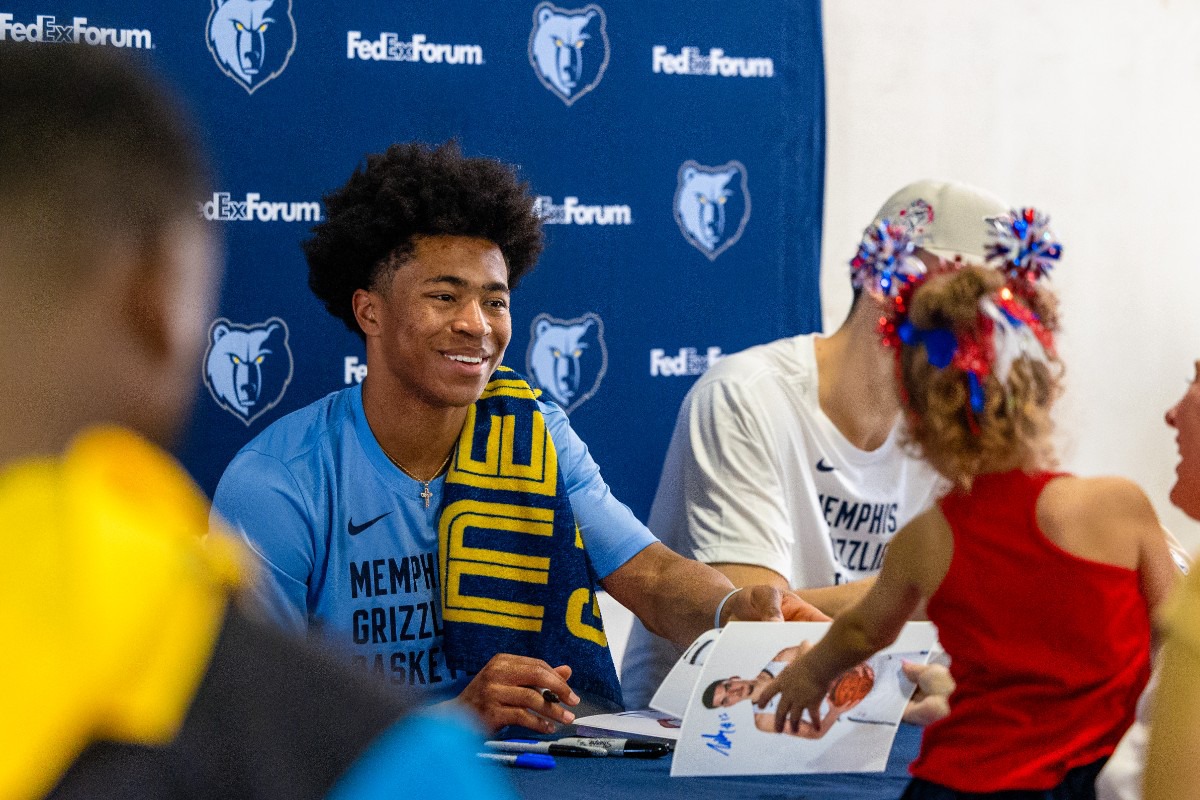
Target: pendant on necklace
{"points": [[425, 493]]}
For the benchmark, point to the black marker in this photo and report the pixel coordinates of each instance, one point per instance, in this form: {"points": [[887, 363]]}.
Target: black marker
{"points": [[629, 748], [551, 747]]}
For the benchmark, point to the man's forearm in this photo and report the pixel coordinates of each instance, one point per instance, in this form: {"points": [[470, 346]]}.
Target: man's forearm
{"points": [[674, 597]]}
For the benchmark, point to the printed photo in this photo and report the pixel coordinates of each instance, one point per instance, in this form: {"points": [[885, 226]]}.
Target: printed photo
{"points": [[726, 733]]}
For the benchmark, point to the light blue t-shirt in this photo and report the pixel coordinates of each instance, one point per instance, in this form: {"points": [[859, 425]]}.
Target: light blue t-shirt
{"points": [[348, 546]]}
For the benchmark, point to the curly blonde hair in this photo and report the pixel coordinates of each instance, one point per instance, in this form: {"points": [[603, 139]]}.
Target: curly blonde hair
{"points": [[1013, 429]]}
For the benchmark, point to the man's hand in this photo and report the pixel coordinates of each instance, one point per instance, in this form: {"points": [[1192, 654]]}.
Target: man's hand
{"points": [[831, 600], [931, 701], [753, 604], [767, 604], [508, 691]]}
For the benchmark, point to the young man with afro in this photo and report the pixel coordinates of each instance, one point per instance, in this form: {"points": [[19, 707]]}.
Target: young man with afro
{"points": [[439, 520]]}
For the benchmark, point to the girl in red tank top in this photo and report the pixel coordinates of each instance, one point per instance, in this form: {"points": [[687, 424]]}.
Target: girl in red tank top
{"points": [[1041, 584]]}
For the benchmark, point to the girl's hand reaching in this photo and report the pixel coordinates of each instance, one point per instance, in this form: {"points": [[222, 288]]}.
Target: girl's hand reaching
{"points": [[798, 692]]}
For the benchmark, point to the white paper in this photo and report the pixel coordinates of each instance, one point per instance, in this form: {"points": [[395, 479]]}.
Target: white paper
{"points": [[676, 689], [644, 723], [727, 740]]}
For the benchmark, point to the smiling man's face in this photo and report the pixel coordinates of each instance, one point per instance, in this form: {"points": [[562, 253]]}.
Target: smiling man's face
{"points": [[443, 321]]}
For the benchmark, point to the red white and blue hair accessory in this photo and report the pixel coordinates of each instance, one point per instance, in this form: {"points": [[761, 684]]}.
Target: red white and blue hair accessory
{"points": [[1005, 330], [886, 258], [1023, 245], [1016, 333]]}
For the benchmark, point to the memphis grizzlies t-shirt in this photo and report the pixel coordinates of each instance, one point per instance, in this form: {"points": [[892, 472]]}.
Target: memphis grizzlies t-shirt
{"points": [[348, 547]]}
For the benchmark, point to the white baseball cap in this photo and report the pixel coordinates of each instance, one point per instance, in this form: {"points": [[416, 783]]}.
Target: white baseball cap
{"points": [[951, 217]]}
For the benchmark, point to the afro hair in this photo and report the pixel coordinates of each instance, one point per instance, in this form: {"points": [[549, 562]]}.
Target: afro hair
{"points": [[409, 191]]}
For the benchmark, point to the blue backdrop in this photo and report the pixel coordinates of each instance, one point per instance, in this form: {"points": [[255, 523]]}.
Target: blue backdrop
{"points": [[677, 150]]}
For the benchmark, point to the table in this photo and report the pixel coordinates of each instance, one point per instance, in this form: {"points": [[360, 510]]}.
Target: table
{"points": [[620, 778]]}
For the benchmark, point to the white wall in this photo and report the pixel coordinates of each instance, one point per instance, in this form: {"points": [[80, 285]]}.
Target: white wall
{"points": [[1089, 109]]}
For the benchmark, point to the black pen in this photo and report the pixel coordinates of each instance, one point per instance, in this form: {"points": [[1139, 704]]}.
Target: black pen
{"points": [[629, 748], [547, 694]]}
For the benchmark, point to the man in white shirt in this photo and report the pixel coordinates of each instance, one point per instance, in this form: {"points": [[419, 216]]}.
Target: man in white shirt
{"points": [[786, 466]]}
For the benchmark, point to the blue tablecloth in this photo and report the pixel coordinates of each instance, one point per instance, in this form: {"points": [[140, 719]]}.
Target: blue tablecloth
{"points": [[619, 778]]}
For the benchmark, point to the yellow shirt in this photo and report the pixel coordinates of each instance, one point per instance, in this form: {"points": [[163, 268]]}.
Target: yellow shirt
{"points": [[110, 603], [1181, 618]]}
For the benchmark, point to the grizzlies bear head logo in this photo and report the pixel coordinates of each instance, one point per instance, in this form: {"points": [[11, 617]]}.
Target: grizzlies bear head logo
{"points": [[567, 359], [712, 205], [248, 367], [251, 40], [568, 49]]}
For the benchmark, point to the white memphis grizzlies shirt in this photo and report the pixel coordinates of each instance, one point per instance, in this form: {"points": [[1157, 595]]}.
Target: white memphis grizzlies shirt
{"points": [[757, 474], [347, 546]]}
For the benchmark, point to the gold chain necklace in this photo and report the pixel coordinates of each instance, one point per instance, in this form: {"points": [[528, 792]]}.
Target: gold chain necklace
{"points": [[425, 493]]}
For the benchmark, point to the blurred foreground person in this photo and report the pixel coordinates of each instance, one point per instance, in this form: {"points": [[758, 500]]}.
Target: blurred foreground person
{"points": [[1173, 767], [129, 668]]}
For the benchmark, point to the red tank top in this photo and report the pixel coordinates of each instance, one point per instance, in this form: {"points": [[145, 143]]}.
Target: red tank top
{"points": [[1049, 650]]}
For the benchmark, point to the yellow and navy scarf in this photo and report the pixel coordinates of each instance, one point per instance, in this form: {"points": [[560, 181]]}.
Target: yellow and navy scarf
{"points": [[515, 575]]}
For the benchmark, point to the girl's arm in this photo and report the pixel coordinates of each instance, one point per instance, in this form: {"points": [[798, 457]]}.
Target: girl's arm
{"points": [[916, 562]]}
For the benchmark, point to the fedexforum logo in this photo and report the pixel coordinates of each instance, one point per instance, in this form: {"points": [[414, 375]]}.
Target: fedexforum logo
{"points": [[223, 208], [572, 212], [688, 361], [45, 28], [390, 47], [690, 61]]}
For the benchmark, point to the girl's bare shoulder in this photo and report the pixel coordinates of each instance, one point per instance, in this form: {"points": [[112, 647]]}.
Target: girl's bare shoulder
{"points": [[1074, 497]]}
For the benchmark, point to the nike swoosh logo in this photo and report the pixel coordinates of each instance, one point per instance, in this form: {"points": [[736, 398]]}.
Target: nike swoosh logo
{"points": [[355, 530], [823, 467]]}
